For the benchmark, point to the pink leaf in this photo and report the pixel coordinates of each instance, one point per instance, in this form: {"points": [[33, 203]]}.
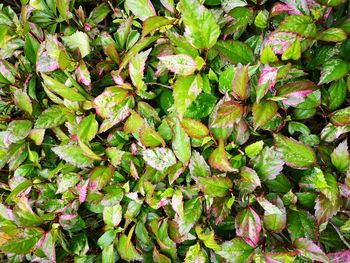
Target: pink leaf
{"points": [[268, 75], [67, 216], [340, 257], [281, 41], [83, 74], [82, 188], [308, 249], [248, 226]]}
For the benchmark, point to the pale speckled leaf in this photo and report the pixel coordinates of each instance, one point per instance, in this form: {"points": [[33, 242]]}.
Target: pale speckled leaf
{"points": [[236, 251], [78, 40], [137, 67], [142, 9], [73, 155], [201, 28], [194, 254], [198, 166], [180, 64], [186, 90], [159, 158], [112, 215]]}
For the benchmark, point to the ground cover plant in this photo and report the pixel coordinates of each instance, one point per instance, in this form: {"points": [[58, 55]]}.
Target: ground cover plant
{"points": [[174, 131]]}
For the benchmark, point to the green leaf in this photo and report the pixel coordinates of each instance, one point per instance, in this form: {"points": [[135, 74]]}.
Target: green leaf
{"points": [[192, 213], [225, 79], [236, 251], [22, 242], [332, 35], [325, 210], [63, 8], [263, 112], [240, 83], [155, 22], [127, 250], [57, 87], [268, 164], [78, 40], [254, 149], [108, 254], [99, 13], [262, 18], [333, 69], [326, 184], [24, 215], [150, 138], [194, 128], [293, 51], [337, 94], [100, 177], [115, 156], [167, 246], [340, 157], [181, 143], [285, 257], [248, 181], [19, 188], [274, 217], [300, 24], [18, 130], [73, 155], [218, 159], [186, 89], [237, 26], [225, 114], [267, 55], [215, 186], [235, 51], [301, 224], [31, 46], [341, 117], [112, 215], [331, 2], [142, 9], [208, 239], [22, 100], [51, 117], [143, 43], [66, 181], [87, 128], [201, 29], [198, 166], [201, 107], [294, 153], [160, 258]]}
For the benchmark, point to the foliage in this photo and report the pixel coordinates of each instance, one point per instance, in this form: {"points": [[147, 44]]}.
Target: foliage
{"points": [[174, 131]]}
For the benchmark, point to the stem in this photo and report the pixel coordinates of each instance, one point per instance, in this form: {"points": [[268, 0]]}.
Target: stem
{"points": [[77, 86], [340, 235], [158, 84]]}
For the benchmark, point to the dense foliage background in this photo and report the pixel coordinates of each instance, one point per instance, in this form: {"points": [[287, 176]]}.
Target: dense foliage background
{"points": [[174, 131]]}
